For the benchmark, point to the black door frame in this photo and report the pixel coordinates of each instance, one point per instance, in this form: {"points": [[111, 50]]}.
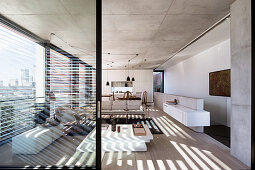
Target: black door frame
{"points": [[98, 80]]}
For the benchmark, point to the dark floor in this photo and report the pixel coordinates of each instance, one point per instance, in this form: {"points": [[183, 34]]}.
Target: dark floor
{"points": [[219, 132]]}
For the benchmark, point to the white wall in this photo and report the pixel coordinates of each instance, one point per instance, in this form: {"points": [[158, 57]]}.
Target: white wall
{"points": [[191, 78], [143, 80]]}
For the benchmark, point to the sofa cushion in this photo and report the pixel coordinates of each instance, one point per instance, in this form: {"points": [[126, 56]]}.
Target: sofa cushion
{"points": [[56, 131], [106, 105], [32, 141], [119, 105], [134, 104]]}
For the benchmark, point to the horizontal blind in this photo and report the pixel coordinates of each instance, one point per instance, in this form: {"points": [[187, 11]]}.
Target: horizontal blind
{"points": [[59, 79], [17, 83], [70, 82]]}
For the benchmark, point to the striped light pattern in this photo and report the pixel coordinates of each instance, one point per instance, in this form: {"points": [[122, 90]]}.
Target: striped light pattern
{"points": [[67, 81], [17, 90], [71, 81]]}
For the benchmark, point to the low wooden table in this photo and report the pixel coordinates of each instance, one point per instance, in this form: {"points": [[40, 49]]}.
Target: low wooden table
{"points": [[114, 141]]}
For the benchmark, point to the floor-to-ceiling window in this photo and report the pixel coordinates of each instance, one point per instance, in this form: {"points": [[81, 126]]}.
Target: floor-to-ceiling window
{"points": [[21, 74], [59, 73], [48, 92]]}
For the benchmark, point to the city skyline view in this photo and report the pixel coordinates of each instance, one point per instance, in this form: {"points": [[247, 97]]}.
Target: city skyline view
{"points": [[11, 46]]}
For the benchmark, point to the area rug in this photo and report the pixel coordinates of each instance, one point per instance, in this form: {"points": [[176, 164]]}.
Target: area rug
{"points": [[149, 122]]}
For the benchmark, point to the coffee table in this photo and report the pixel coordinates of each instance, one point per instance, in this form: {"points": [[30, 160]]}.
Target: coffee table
{"points": [[114, 141]]}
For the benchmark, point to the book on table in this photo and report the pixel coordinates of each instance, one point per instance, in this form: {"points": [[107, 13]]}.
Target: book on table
{"points": [[139, 130]]}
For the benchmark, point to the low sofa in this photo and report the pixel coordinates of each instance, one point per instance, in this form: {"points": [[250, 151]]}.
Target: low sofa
{"points": [[38, 138], [122, 107]]}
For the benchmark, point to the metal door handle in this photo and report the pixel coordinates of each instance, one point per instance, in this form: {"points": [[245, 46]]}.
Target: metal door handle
{"points": [[98, 109]]}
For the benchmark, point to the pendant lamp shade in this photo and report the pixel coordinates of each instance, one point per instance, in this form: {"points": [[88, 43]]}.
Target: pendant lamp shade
{"points": [[133, 79], [128, 78]]}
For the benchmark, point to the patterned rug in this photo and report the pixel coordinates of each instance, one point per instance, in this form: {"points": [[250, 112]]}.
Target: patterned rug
{"points": [[149, 122]]}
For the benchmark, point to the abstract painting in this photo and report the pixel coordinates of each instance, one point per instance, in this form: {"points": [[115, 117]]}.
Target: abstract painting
{"points": [[220, 83]]}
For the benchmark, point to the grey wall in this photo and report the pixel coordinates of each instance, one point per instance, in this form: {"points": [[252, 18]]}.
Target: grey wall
{"points": [[240, 28]]}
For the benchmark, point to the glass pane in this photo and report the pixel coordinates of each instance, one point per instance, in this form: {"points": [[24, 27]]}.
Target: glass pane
{"points": [[158, 83], [48, 94]]}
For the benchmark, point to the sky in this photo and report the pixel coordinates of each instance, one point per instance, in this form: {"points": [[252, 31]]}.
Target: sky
{"points": [[16, 53]]}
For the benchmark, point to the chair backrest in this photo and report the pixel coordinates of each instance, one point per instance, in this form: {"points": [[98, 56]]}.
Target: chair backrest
{"points": [[144, 98], [127, 95]]}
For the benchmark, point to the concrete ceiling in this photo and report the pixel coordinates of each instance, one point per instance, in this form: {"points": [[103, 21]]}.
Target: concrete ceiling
{"points": [[219, 34], [151, 28], [72, 22], [154, 29]]}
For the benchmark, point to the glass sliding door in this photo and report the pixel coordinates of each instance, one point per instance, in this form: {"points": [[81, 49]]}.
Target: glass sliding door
{"points": [[50, 86], [71, 98]]}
